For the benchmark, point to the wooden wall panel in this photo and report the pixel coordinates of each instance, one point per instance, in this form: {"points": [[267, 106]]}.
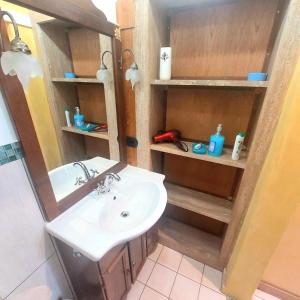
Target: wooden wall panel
{"points": [[222, 41], [201, 175], [96, 147], [85, 50], [190, 218], [197, 112], [125, 16], [92, 102]]}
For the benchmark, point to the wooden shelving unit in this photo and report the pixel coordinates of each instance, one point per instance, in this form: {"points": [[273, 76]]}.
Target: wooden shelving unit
{"points": [[189, 240], [197, 104], [60, 52], [225, 159], [98, 135], [76, 80], [207, 205], [212, 83]]}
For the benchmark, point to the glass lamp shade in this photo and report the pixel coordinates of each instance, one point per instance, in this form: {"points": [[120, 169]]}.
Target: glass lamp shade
{"points": [[23, 65], [132, 75], [103, 74]]}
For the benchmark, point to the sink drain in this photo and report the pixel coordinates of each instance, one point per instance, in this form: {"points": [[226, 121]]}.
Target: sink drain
{"points": [[124, 214]]}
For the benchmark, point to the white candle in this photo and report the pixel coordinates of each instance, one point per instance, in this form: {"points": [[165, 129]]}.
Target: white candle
{"points": [[165, 63]]}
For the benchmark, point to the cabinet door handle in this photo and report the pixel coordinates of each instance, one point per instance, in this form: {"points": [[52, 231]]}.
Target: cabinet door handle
{"points": [[133, 263]]}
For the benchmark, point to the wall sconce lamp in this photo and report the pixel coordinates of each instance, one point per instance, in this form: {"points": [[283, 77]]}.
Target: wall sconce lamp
{"points": [[103, 74], [18, 60], [132, 73]]}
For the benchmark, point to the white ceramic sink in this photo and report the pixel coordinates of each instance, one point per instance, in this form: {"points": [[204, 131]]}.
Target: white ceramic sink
{"points": [[63, 178], [97, 223]]}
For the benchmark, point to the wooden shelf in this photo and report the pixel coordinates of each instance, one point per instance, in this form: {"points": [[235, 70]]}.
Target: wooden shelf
{"points": [[212, 83], [76, 80], [225, 159], [98, 135], [207, 205], [190, 241]]}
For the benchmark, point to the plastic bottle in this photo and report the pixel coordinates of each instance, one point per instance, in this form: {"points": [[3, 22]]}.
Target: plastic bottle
{"points": [[238, 146], [216, 143], [67, 113], [78, 118]]}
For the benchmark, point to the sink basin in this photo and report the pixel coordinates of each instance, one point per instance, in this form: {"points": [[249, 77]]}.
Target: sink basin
{"points": [[98, 223], [63, 178], [130, 207]]}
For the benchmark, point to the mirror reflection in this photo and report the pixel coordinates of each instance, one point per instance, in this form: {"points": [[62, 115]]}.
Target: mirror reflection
{"points": [[74, 113]]}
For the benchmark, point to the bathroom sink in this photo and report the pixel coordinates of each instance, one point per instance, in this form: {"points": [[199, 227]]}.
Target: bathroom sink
{"points": [[129, 207], [97, 223], [63, 178]]}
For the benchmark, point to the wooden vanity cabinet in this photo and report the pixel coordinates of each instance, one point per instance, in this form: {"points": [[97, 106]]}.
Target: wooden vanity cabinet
{"points": [[112, 276], [137, 253], [115, 273], [152, 239]]}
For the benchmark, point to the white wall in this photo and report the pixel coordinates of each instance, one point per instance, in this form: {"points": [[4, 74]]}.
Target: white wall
{"points": [[7, 134], [27, 256]]}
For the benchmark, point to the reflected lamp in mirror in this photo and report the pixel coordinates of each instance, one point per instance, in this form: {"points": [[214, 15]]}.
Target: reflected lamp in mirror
{"points": [[131, 74], [103, 74], [18, 60]]}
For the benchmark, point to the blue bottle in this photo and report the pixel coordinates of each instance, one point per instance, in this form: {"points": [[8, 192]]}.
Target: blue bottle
{"points": [[78, 118], [216, 143]]}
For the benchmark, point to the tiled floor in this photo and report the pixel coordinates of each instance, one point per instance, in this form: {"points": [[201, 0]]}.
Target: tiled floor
{"points": [[168, 274]]}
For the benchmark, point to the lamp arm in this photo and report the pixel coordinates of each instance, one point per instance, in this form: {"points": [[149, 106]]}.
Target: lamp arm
{"points": [[16, 30], [132, 54], [102, 58]]}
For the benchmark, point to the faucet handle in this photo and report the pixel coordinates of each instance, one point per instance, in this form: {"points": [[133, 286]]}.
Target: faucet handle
{"points": [[114, 176], [94, 172], [102, 188], [79, 181]]}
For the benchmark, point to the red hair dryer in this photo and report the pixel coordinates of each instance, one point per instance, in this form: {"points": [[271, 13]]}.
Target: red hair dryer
{"points": [[170, 136]]}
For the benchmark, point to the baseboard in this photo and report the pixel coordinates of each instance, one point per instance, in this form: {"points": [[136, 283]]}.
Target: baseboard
{"points": [[277, 292]]}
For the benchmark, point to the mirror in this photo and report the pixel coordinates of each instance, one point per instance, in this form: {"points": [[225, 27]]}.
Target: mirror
{"points": [[74, 114]]}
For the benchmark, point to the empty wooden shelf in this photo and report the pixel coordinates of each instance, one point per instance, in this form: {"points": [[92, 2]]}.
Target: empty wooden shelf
{"points": [[189, 240], [98, 135], [207, 205], [76, 80], [212, 83], [225, 159]]}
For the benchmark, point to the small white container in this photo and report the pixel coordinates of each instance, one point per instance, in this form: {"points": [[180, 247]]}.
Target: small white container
{"points": [[238, 145], [67, 113], [165, 63]]}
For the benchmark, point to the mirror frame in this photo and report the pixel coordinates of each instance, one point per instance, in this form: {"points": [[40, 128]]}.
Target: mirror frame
{"points": [[84, 14]]}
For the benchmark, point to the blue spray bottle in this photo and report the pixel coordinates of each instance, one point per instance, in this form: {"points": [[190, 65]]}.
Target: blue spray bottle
{"points": [[216, 143], [78, 118]]}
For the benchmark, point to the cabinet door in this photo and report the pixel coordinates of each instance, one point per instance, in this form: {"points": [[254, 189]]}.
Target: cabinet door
{"points": [[116, 275], [152, 239], [137, 254]]}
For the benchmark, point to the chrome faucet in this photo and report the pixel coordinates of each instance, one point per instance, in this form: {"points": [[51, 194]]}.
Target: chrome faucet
{"points": [[87, 174], [104, 186]]}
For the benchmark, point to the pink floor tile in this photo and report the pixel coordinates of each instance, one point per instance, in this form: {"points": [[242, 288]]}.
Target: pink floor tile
{"points": [[184, 288], [146, 271], [149, 294], [154, 256], [162, 279], [208, 294], [135, 291], [170, 258], [191, 269], [212, 278]]}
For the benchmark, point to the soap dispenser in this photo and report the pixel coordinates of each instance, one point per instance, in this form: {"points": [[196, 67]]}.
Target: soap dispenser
{"points": [[78, 118], [216, 143]]}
